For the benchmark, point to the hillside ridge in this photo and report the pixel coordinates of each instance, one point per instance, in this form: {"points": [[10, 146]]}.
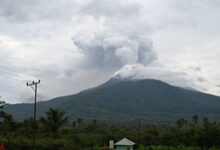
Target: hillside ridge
{"points": [[118, 100]]}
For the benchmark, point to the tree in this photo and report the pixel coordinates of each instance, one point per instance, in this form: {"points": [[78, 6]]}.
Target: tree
{"points": [[206, 122], [91, 127], [147, 140], [2, 104], [53, 120], [181, 123], [79, 121], [78, 124], [94, 122], [195, 119], [9, 125]]}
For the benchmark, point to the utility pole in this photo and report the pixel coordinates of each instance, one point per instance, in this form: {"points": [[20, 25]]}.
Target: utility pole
{"points": [[33, 85]]}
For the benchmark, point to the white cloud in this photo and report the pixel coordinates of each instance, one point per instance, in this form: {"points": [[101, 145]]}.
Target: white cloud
{"points": [[72, 44], [115, 51]]}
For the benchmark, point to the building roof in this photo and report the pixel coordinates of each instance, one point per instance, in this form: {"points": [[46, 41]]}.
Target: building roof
{"points": [[125, 142]]}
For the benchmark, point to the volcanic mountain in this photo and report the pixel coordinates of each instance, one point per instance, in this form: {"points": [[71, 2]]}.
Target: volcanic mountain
{"points": [[126, 100]]}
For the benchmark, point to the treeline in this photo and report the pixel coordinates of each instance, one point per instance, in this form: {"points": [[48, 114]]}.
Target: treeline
{"points": [[54, 131]]}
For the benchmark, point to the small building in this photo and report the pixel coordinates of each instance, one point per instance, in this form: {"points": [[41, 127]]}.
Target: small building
{"points": [[124, 144]]}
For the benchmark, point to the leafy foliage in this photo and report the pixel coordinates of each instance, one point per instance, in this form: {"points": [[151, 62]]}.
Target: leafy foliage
{"points": [[147, 100], [53, 120], [184, 135], [2, 103]]}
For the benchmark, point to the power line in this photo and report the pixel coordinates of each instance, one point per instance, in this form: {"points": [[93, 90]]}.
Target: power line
{"points": [[33, 85]]}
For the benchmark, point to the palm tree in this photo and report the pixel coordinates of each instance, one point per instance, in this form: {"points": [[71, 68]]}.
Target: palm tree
{"points": [[74, 124], [53, 120], [94, 122], [195, 119], [79, 123], [8, 125], [2, 104]]}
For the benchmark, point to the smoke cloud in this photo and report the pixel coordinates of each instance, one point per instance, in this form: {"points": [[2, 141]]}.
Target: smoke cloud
{"points": [[113, 35], [72, 45], [116, 51]]}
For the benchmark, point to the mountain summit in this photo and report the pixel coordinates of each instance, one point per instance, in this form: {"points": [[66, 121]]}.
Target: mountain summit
{"points": [[124, 100]]}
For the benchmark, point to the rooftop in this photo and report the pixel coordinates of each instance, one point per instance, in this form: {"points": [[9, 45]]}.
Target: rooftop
{"points": [[125, 142]]}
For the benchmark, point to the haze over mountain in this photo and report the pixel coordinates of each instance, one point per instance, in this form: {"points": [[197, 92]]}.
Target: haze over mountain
{"points": [[126, 100], [73, 45]]}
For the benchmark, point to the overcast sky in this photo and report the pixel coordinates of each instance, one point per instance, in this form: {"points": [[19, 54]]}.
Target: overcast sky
{"points": [[73, 45]]}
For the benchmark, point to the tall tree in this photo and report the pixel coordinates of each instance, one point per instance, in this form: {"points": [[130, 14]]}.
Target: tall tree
{"points": [[94, 122], [195, 119], [79, 122], [2, 104], [53, 120]]}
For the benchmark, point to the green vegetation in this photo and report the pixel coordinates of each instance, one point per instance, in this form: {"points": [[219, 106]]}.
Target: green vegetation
{"points": [[53, 121], [109, 112], [2, 104], [55, 132]]}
